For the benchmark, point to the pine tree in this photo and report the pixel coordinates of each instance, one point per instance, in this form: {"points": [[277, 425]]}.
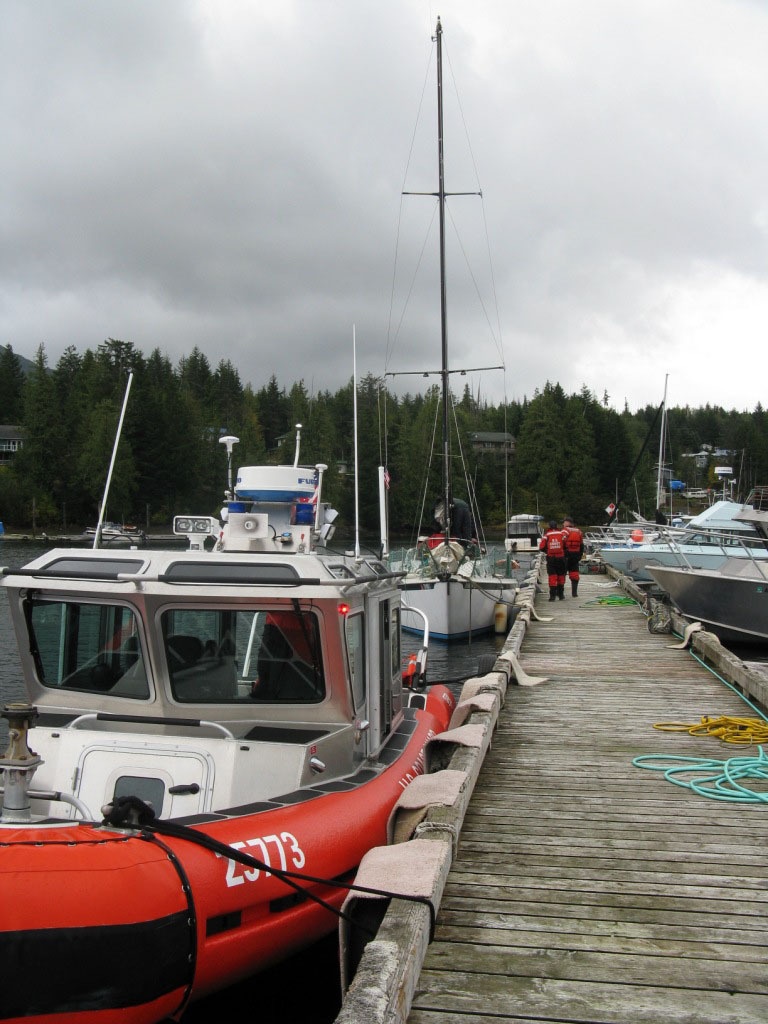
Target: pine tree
{"points": [[11, 387], [36, 464]]}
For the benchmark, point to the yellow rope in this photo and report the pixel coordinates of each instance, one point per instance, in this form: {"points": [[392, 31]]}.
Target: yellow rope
{"points": [[727, 728]]}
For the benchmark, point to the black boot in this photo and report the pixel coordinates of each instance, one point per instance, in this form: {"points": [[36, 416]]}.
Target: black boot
{"points": [[561, 592], [552, 592], [574, 588]]}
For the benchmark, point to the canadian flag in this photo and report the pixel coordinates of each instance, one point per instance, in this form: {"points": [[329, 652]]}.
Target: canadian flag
{"points": [[611, 509]]}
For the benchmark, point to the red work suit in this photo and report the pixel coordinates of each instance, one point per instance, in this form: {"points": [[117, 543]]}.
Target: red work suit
{"points": [[574, 549], [553, 544]]}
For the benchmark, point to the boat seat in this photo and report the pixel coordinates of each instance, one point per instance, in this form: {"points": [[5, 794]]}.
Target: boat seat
{"points": [[201, 672], [131, 675], [183, 651], [109, 670]]}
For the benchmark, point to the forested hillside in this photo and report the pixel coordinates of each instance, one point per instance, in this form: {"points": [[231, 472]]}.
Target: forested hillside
{"points": [[573, 453]]}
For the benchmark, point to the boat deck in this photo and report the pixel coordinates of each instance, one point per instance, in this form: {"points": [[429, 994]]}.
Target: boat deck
{"points": [[587, 889]]}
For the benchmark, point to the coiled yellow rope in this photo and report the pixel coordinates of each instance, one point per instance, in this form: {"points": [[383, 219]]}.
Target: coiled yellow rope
{"points": [[728, 728]]}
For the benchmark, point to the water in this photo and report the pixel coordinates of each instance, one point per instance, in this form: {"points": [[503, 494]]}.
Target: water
{"points": [[275, 997]]}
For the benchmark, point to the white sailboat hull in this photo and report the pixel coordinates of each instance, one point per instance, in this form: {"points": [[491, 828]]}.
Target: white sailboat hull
{"points": [[455, 608]]}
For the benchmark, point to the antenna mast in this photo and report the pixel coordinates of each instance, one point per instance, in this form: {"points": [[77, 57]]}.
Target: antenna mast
{"points": [[354, 417], [443, 293], [102, 510], [662, 442]]}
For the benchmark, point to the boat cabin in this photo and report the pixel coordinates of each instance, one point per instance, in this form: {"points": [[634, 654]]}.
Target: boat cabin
{"points": [[246, 668], [524, 531]]}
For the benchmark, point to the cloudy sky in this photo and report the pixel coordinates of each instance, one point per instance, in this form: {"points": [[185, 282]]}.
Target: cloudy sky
{"points": [[228, 174]]}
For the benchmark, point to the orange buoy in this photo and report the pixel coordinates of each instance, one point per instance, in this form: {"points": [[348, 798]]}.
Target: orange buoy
{"points": [[637, 536]]}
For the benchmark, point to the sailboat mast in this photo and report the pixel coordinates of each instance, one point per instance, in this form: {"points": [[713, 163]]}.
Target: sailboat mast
{"points": [[662, 442], [443, 296]]}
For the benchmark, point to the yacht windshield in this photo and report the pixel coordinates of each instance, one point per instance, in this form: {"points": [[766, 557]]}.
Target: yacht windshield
{"points": [[87, 647], [243, 656]]}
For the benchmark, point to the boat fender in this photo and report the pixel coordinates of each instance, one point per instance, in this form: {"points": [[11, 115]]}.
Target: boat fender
{"points": [[410, 671]]}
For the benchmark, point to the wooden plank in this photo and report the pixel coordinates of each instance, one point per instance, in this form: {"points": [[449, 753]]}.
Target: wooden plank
{"points": [[591, 965], [586, 889], [691, 943], [581, 1002]]}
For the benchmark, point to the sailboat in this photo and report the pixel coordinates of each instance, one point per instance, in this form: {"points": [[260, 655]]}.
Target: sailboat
{"points": [[448, 578], [614, 533]]}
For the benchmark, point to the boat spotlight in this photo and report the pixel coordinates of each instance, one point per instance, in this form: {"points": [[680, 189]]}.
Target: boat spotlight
{"points": [[185, 526]]}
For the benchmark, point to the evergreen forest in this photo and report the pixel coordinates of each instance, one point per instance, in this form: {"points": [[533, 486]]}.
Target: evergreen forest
{"points": [[573, 453]]}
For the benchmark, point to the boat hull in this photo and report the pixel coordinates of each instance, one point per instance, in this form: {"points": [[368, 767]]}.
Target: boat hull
{"points": [[131, 925], [637, 562], [733, 606], [455, 610]]}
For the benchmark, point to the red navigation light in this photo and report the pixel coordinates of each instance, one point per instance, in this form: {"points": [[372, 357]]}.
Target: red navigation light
{"points": [[343, 609]]}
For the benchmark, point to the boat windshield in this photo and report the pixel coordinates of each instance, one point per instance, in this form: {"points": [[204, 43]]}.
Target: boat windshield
{"points": [[214, 655], [94, 648], [243, 655]]}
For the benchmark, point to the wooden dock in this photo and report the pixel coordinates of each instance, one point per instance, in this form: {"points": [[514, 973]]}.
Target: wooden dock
{"points": [[587, 889]]}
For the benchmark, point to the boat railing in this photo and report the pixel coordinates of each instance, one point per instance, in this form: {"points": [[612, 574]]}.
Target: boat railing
{"points": [[490, 561], [93, 718], [630, 535], [621, 535], [220, 574], [752, 549], [758, 499], [50, 796]]}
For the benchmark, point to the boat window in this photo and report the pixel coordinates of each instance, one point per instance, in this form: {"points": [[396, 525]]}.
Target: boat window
{"points": [[377, 568], [396, 661], [222, 655], [151, 791], [341, 572], [94, 648], [354, 632], [231, 572], [91, 568], [386, 651]]}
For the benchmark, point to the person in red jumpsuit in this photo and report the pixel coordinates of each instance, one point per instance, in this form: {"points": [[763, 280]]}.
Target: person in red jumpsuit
{"points": [[553, 544], [574, 550]]}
